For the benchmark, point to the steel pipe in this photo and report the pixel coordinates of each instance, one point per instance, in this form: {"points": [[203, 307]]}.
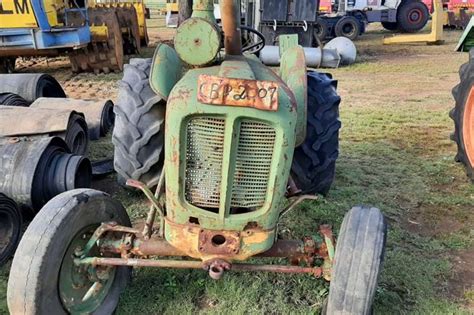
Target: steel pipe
{"points": [[192, 264], [69, 125], [33, 172], [10, 227], [31, 86], [99, 114]]}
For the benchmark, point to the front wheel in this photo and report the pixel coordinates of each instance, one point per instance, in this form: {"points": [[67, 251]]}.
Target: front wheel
{"points": [[358, 260], [44, 278]]}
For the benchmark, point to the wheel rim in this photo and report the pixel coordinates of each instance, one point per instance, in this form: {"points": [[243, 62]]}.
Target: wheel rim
{"points": [[415, 16], [468, 127], [348, 29], [82, 289]]}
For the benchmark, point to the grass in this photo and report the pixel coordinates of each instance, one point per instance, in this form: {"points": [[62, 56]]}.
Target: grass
{"points": [[395, 155]]}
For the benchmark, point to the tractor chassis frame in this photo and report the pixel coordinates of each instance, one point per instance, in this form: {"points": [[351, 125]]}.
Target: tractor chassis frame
{"points": [[135, 246]]}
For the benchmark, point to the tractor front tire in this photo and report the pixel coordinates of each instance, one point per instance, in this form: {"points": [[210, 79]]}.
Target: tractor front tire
{"points": [[412, 16], [463, 116], [357, 262], [314, 161], [44, 278], [138, 135]]}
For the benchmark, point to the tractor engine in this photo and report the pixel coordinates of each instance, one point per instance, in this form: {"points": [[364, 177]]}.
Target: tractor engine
{"points": [[230, 140]]}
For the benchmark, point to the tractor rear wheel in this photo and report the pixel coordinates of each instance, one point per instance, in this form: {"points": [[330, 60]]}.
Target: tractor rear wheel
{"points": [[412, 16], [138, 135], [314, 162], [390, 26], [357, 262], [463, 116], [44, 279]]}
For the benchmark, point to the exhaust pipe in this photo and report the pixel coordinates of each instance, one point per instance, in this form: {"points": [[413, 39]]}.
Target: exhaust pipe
{"points": [[230, 16], [33, 172]]}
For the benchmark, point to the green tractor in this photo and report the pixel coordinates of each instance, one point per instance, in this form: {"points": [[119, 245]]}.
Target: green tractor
{"points": [[241, 142], [463, 111]]}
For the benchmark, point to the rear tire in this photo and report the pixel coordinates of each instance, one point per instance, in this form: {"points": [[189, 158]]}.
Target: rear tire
{"points": [[463, 116], [348, 27], [314, 162], [390, 26], [321, 29], [138, 135], [358, 260], [412, 16], [43, 263]]}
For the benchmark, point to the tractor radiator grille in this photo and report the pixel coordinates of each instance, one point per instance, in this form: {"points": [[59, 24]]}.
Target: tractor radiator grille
{"points": [[253, 162], [204, 158], [204, 149]]}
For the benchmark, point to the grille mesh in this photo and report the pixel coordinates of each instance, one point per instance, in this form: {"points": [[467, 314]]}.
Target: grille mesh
{"points": [[253, 162], [204, 156], [205, 145]]}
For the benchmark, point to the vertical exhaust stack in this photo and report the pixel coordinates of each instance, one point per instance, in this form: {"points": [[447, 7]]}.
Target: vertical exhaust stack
{"points": [[230, 15]]}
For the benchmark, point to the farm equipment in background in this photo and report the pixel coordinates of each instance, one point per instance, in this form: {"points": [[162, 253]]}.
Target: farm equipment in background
{"points": [[240, 138], [456, 13], [95, 36], [463, 112], [406, 16]]}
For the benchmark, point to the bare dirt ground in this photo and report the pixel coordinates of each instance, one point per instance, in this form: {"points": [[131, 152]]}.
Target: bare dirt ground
{"points": [[395, 153]]}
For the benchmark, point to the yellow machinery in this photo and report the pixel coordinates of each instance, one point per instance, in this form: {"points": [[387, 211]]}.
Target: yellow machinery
{"points": [[94, 34], [435, 37], [172, 11]]}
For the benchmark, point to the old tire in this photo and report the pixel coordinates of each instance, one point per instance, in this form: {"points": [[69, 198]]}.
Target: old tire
{"points": [[390, 26], [43, 278], [463, 116], [358, 260], [10, 227], [138, 135], [348, 26], [314, 162], [412, 16], [12, 99]]}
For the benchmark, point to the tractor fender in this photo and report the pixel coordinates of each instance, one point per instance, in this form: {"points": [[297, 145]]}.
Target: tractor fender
{"points": [[166, 70], [293, 73]]}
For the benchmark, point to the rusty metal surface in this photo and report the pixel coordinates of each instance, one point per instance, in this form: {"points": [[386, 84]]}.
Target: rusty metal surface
{"points": [[230, 16], [215, 90], [189, 264], [98, 113], [219, 242]]}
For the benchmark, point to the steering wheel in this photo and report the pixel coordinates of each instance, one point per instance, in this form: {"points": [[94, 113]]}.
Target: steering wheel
{"points": [[252, 40]]}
